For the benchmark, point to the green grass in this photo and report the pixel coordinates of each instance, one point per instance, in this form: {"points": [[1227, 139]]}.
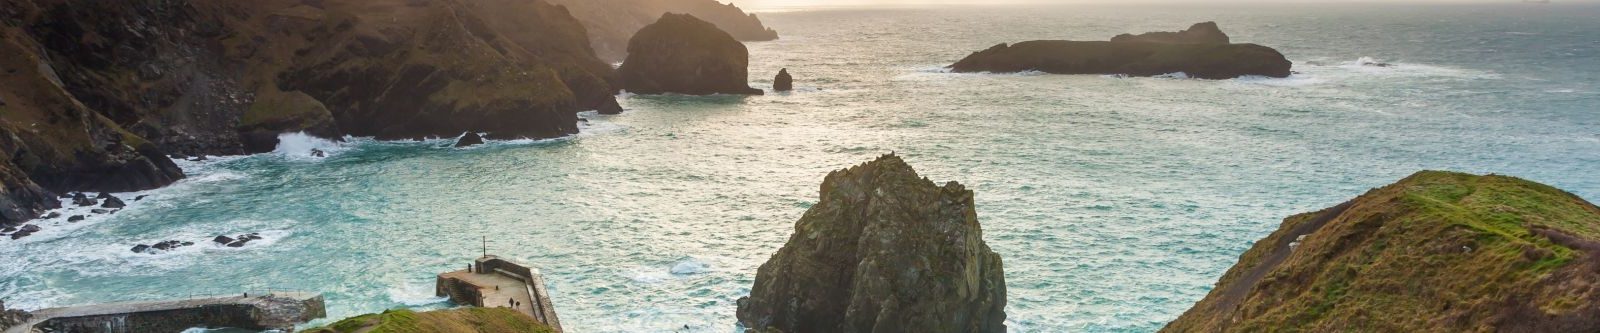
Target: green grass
{"points": [[462, 320]]}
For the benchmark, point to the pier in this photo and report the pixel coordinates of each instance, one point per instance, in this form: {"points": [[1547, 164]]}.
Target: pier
{"points": [[494, 282], [272, 311]]}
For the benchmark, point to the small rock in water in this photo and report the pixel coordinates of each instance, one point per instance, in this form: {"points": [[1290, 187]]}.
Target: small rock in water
{"points": [[104, 195], [83, 200], [113, 202], [25, 231], [198, 158], [469, 139], [239, 243], [224, 240], [783, 82], [318, 153], [140, 197], [8, 229], [100, 211], [140, 248], [51, 215], [75, 218]]}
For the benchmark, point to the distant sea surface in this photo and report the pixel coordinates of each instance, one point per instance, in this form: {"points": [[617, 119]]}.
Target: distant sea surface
{"points": [[1116, 202]]}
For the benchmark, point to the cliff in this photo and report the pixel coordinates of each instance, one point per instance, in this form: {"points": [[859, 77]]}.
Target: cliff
{"points": [[882, 250], [1435, 252], [96, 93], [462, 320], [682, 54], [1196, 52], [611, 23]]}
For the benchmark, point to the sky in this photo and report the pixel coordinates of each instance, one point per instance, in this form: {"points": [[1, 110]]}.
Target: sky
{"points": [[780, 4]]}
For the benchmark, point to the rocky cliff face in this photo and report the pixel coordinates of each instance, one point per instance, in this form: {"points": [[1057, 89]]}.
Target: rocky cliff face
{"points": [[97, 92], [883, 250], [1199, 33], [1435, 252], [682, 54], [611, 23], [1193, 52]]}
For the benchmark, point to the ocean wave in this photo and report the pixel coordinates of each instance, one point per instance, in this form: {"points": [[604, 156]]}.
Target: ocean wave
{"points": [[302, 146], [690, 266], [415, 294]]}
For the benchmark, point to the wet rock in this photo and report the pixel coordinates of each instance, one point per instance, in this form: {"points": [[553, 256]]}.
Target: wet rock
{"points": [[682, 54], [113, 202], [883, 250], [140, 197], [141, 248], [610, 107], [100, 211], [83, 200], [51, 215], [318, 153], [104, 195], [75, 218], [783, 82], [198, 158], [25, 231], [469, 139], [238, 243], [224, 240]]}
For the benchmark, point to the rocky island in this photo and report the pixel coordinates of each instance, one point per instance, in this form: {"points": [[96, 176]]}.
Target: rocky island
{"points": [[1435, 252], [611, 23], [882, 250], [682, 54], [1202, 51]]}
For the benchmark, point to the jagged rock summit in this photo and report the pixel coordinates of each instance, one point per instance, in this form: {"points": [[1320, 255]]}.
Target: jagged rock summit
{"points": [[783, 82], [1201, 52], [1435, 252], [682, 54], [1199, 33], [612, 22], [882, 250]]}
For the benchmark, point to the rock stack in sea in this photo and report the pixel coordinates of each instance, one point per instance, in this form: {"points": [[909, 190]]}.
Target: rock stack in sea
{"points": [[783, 82], [469, 139], [682, 54], [1202, 52], [882, 250], [1435, 252]]}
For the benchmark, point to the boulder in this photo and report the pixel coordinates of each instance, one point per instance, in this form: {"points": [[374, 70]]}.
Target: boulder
{"points": [[238, 243], [141, 248], [1199, 33], [882, 250], [1131, 57], [113, 202], [104, 195], [75, 218], [51, 215], [140, 197], [100, 211], [224, 240], [682, 54], [783, 82], [469, 138]]}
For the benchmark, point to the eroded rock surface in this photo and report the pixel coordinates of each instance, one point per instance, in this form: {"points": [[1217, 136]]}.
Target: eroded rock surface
{"points": [[682, 54]]}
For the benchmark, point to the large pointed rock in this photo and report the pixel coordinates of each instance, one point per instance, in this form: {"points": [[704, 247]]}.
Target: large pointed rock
{"points": [[882, 250], [682, 54], [783, 82]]}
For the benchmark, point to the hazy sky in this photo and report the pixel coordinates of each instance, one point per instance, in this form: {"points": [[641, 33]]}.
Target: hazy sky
{"points": [[773, 4]]}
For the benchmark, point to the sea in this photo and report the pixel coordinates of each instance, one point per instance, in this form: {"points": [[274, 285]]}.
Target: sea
{"points": [[1116, 202]]}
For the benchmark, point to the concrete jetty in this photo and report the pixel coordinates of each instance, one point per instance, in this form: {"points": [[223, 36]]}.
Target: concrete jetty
{"points": [[273, 311], [495, 282]]}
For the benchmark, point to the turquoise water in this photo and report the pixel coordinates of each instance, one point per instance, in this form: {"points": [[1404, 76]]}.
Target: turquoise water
{"points": [[1116, 203]]}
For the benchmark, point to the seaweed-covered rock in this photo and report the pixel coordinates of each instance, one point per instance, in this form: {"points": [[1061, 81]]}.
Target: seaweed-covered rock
{"points": [[882, 250], [1434, 252], [682, 54], [1144, 55]]}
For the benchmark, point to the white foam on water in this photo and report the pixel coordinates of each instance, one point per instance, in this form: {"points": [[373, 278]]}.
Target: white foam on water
{"points": [[1177, 75], [415, 294], [299, 146], [1374, 66], [1294, 80], [690, 266]]}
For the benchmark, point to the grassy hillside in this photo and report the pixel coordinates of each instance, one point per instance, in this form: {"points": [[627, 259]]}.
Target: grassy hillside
{"points": [[463, 320], [1437, 252]]}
